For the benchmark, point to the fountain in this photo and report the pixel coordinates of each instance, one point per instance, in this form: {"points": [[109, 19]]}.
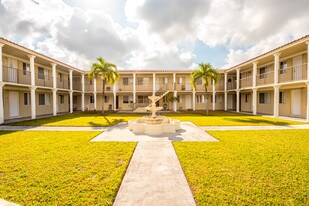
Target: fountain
{"points": [[154, 125]]}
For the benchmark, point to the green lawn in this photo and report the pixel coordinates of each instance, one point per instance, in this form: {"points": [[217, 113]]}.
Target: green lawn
{"points": [[61, 168], [213, 119], [248, 168]]}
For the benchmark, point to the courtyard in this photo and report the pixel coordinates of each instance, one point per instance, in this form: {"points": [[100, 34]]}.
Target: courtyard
{"points": [[241, 168]]}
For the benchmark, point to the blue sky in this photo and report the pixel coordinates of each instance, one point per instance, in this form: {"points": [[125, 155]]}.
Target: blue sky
{"points": [[153, 34]]}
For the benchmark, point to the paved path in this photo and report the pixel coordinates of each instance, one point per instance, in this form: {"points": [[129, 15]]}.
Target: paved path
{"points": [[121, 133], [154, 177], [301, 126], [7, 203], [50, 128]]}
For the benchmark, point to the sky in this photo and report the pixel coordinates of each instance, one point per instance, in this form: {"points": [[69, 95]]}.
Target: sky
{"points": [[153, 34]]}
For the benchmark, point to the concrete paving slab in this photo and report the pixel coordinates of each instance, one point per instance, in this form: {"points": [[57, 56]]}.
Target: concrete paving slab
{"points": [[154, 177], [225, 128], [188, 132], [49, 128], [7, 203]]}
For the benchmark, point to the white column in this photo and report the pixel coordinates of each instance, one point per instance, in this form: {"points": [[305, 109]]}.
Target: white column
{"points": [[1, 87], [237, 78], [32, 88], [254, 73], [276, 68], [114, 97], [237, 100], [83, 92], [307, 112], [254, 101], [276, 101], [1, 103], [1, 64], [213, 101], [153, 83], [54, 88], [134, 89], [71, 90], [95, 94], [307, 60], [175, 102], [225, 91], [174, 81], [193, 100]]}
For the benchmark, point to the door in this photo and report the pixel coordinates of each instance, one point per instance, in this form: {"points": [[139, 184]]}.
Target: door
{"points": [[117, 102], [296, 102], [188, 101], [14, 104], [12, 70], [297, 68], [229, 101]]}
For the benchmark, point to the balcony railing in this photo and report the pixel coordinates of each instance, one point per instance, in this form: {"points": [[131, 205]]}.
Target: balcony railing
{"points": [[16, 75], [220, 86], [125, 87], [164, 87], [231, 84], [144, 87], [246, 82], [43, 80], [184, 87], [265, 78], [62, 83], [293, 73]]}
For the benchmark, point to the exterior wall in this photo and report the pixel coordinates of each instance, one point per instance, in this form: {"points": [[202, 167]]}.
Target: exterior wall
{"points": [[266, 108], [65, 106], [125, 106], [246, 106], [303, 102], [43, 109]]}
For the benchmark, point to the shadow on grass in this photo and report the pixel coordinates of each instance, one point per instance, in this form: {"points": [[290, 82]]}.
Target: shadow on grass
{"points": [[257, 121]]}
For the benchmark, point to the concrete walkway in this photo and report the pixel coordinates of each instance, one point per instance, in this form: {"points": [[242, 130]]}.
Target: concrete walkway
{"points": [[223, 128], [188, 132], [49, 128], [154, 177]]}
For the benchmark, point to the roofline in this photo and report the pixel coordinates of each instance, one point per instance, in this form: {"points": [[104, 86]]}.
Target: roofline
{"points": [[273, 51], [35, 53]]}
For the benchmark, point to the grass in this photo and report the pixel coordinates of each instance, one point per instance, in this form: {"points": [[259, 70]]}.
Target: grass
{"points": [[60, 168], [248, 168], [213, 119]]}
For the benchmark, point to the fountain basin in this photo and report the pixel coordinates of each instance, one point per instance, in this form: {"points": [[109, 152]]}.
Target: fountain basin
{"points": [[142, 126]]}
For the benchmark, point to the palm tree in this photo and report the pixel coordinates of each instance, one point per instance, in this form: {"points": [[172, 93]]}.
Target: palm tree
{"points": [[108, 73], [207, 73]]}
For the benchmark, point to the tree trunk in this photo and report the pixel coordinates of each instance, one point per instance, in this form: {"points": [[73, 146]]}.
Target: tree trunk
{"points": [[206, 96], [103, 97]]}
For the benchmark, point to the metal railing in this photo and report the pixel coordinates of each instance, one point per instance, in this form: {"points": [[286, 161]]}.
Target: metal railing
{"points": [[246, 82], [144, 87], [122, 87], [43, 80], [231, 84], [63, 83], [184, 87], [220, 86], [16, 75], [265, 78], [293, 73]]}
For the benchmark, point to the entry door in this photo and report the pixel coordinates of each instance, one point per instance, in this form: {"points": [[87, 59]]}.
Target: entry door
{"points": [[188, 101], [12, 70], [14, 104], [229, 101], [297, 68], [296, 102]]}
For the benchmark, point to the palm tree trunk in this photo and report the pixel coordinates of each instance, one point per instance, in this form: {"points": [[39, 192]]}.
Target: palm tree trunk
{"points": [[103, 97], [206, 96]]}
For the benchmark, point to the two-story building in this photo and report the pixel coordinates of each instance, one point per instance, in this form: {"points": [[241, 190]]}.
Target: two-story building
{"points": [[274, 83]]}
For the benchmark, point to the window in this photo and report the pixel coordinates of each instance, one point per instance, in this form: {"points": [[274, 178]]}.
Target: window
{"points": [[26, 98], [140, 81], [91, 99], [61, 97], [125, 99], [199, 81], [219, 98], [179, 80], [60, 77], [164, 80], [247, 98], [283, 67], [41, 99], [282, 97], [200, 98], [125, 81], [263, 74], [106, 99], [40, 73], [264, 98], [26, 69]]}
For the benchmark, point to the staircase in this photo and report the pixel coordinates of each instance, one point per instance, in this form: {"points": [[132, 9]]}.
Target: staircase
{"points": [[163, 88]]}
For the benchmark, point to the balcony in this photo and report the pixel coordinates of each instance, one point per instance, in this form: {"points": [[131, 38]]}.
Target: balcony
{"points": [[184, 87], [62, 83], [125, 88], [144, 87], [231, 84], [43, 80], [16, 75], [88, 87], [164, 87], [265, 78], [220, 86], [246, 82], [293, 73]]}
